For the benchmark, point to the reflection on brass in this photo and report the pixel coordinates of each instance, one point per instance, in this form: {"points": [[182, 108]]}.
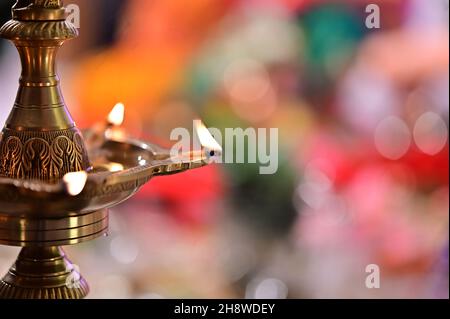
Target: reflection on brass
{"points": [[69, 230], [44, 202]]}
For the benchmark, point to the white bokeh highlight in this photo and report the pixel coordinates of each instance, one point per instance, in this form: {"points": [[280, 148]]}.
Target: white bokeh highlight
{"points": [[124, 250], [269, 288], [430, 133], [392, 138]]}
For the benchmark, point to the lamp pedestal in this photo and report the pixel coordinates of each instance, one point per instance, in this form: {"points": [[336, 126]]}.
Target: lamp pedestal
{"points": [[43, 273]]}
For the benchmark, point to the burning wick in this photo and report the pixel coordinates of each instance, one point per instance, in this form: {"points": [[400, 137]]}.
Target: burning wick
{"points": [[115, 118], [117, 115], [114, 121], [210, 147], [209, 150], [75, 182]]}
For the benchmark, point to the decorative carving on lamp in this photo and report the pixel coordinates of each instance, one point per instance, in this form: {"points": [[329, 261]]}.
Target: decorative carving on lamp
{"points": [[55, 186]]}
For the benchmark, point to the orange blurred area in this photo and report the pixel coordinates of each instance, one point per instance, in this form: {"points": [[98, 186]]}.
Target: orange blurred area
{"points": [[155, 42]]}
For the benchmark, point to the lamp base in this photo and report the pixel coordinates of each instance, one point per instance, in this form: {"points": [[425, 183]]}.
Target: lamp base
{"points": [[43, 273]]}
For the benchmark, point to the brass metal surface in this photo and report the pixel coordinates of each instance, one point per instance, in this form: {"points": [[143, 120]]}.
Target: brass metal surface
{"points": [[139, 162], [40, 146], [25, 231], [40, 139], [43, 273], [44, 10]]}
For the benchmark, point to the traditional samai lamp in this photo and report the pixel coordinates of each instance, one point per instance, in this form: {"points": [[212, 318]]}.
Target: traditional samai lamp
{"points": [[57, 182]]}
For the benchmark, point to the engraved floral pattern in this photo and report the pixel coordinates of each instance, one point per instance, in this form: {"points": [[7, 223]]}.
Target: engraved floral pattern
{"points": [[44, 157]]}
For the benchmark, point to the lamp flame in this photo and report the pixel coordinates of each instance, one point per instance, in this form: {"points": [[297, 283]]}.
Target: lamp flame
{"points": [[207, 141], [117, 115], [75, 182]]}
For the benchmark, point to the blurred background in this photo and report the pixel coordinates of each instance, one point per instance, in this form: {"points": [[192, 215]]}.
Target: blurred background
{"points": [[363, 121]]}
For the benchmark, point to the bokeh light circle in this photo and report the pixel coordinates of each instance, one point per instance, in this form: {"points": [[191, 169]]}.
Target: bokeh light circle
{"points": [[269, 288], [430, 133], [246, 80], [124, 250], [392, 138]]}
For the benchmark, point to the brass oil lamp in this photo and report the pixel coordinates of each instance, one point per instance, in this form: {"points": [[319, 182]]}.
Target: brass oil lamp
{"points": [[56, 182]]}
